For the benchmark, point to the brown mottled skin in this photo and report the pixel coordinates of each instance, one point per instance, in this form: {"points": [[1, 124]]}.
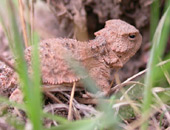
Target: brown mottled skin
{"points": [[113, 46]]}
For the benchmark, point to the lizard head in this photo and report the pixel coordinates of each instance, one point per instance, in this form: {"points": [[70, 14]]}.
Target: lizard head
{"points": [[122, 39]]}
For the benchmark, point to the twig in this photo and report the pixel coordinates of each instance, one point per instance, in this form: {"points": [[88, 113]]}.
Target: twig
{"points": [[163, 106], [163, 62], [58, 88], [125, 82], [50, 95], [71, 102], [23, 22], [119, 86], [90, 101], [32, 21], [7, 63]]}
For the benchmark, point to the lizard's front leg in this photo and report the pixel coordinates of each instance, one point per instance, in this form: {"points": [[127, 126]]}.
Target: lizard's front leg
{"points": [[101, 76]]}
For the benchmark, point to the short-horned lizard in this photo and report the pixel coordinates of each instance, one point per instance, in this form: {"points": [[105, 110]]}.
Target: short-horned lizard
{"points": [[113, 46]]}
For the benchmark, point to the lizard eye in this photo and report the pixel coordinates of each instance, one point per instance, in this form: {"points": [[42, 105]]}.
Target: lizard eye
{"points": [[132, 37]]}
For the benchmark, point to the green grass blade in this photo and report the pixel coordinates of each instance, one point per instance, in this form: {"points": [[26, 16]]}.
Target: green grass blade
{"points": [[31, 88], [10, 103], [35, 106], [81, 71], [159, 43], [154, 18], [77, 125], [59, 119]]}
